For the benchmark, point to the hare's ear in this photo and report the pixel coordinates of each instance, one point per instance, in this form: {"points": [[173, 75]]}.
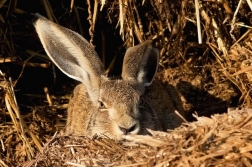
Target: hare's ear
{"points": [[73, 55], [141, 63]]}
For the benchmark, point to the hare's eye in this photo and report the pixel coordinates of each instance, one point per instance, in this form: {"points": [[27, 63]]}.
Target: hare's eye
{"points": [[142, 102], [101, 105]]}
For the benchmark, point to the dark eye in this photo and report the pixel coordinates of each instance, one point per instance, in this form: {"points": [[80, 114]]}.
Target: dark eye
{"points": [[1, 89], [142, 102], [101, 105]]}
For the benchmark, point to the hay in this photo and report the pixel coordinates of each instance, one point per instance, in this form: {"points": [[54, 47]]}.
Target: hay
{"points": [[222, 140]]}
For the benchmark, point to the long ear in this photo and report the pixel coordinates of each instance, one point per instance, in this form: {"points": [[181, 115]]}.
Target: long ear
{"points": [[141, 64], [73, 55]]}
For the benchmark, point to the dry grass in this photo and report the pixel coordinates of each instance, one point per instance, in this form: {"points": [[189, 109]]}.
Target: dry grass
{"points": [[222, 140]]}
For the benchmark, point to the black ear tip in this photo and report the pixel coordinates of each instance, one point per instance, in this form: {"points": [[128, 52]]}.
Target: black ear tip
{"points": [[36, 17]]}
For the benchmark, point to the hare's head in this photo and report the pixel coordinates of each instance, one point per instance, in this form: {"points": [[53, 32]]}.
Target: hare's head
{"points": [[119, 109]]}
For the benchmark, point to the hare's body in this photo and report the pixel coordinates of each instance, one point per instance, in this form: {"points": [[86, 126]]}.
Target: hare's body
{"points": [[164, 100], [102, 106]]}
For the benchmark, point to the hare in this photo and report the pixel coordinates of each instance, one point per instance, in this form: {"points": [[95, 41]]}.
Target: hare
{"points": [[100, 105]]}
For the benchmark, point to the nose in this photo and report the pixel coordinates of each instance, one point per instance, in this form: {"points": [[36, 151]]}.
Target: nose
{"points": [[127, 131]]}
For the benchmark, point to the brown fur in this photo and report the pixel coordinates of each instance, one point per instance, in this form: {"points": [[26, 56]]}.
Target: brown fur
{"points": [[101, 106]]}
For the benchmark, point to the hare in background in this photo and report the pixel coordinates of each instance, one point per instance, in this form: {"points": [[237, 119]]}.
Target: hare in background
{"points": [[100, 105]]}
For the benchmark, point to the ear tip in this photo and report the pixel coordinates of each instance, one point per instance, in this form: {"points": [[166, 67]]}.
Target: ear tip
{"points": [[37, 16], [152, 50], [155, 51]]}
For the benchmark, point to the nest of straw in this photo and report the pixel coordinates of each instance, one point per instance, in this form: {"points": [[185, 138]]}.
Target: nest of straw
{"points": [[222, 140]]}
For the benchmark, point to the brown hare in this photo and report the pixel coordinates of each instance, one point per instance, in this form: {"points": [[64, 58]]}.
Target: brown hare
{"points": [[100, 105]]}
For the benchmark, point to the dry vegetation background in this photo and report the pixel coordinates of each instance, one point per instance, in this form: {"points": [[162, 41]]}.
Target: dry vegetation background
{"points": [[209, 77]]}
